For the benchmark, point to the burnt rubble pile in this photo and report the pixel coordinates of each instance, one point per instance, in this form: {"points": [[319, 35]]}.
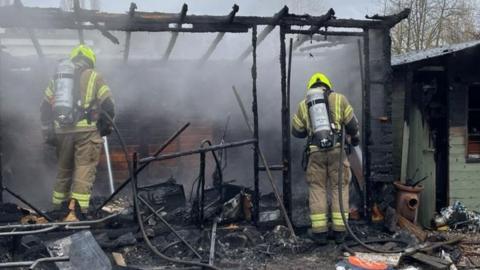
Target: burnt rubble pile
{"points": [[221, 234]]}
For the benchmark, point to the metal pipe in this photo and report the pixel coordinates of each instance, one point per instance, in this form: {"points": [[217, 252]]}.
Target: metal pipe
{"points": [[138, 217], [256, 162], [33, 264], [197, 151], [201, 200], [159, 150], [168, 226], [76, 223], [211, 257], [16, 233], [18, 197], [269, 173], [109, 165]]}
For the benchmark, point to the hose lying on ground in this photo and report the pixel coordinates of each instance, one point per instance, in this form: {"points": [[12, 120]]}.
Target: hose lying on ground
{"points": [[340, 198], [137, 209]]}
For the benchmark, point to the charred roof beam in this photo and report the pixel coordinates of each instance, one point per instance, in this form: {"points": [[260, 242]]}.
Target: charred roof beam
{"points": [[219, 37], [76, 10], [267, 30], [31, 33], [314, 28], [173, 39], [128, 37], [54, 18]]}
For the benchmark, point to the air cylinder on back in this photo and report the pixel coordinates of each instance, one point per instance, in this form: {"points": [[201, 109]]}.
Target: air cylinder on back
{"points": [[319, 118], [63, 106]]}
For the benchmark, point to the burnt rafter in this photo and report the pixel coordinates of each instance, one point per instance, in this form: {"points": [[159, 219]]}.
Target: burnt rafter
{"points": [[31, 33], [55, 18], [267, 30], [128, 36], [314, 28], [219, 37], [174, 37]]}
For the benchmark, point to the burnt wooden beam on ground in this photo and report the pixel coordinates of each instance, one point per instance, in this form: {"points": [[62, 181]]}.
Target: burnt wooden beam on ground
{"points": [[267, 30], [174, 37], [219, 36]]}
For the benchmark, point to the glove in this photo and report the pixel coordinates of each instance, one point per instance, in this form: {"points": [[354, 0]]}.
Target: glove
{"points": [[104, 127], [48, 133], [355, 140]]}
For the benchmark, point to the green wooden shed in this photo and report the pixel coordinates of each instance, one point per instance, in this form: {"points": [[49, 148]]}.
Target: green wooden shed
{"points": [[436, 116]]}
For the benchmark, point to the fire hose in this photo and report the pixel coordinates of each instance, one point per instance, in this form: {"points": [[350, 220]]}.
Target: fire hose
{"points": [[342, 208], [137, 210]]}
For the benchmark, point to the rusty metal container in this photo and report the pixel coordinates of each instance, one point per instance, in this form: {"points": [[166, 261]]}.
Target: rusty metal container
{"points": [[408, 200]]}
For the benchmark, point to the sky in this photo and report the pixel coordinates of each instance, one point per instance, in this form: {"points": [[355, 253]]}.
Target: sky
{"points": [[344, 8]]}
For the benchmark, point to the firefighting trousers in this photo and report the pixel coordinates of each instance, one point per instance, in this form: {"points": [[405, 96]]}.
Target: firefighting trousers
{"points": [[78, 156], [322, 179]]}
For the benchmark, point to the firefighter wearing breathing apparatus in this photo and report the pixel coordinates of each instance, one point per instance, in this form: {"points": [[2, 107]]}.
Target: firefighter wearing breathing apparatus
{"points": [[319, 118], [73, 119]]}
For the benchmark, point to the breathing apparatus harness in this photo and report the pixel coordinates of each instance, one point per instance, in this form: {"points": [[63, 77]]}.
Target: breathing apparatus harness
{"points": [[68, 109], [323, 133]]}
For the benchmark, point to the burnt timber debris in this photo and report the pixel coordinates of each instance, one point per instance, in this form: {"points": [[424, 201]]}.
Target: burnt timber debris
{"points": [[180, 233]]}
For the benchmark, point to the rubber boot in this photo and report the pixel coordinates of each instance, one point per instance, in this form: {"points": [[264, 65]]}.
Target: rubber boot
{"points": [[340, 237], [319, 238], [72, 216]]}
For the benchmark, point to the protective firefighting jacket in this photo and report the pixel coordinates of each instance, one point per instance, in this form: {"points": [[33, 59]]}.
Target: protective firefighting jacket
{"points": [[340, 110]]}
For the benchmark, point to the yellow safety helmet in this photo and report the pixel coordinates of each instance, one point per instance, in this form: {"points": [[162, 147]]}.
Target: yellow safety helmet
{"points": [[319, 78], [85, 51]]}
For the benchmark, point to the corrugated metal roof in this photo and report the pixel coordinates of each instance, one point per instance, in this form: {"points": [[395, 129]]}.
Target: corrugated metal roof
{"points": [[412, 57]]}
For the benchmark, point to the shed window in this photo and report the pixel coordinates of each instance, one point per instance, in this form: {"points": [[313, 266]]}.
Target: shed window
{"points": [[473, 135]]}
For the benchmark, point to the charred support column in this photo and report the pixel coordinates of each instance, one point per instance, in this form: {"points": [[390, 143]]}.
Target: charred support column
{"points": [[287, 185], [256, 195], [174, 37], [379, 141], [366, 121], [128, 36], [1, 118]]}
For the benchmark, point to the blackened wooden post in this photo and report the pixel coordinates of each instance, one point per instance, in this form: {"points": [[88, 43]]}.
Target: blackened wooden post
{"points": [[287, 185], [1, 127], [256, 194], [366, 121]]}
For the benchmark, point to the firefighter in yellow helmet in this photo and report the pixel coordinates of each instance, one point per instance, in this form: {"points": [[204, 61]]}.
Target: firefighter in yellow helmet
{"points": [[319, 118], [73, 115]]}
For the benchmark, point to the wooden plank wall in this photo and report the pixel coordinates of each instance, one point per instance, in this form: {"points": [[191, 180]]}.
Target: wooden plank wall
{"points": [[464, 177]]}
